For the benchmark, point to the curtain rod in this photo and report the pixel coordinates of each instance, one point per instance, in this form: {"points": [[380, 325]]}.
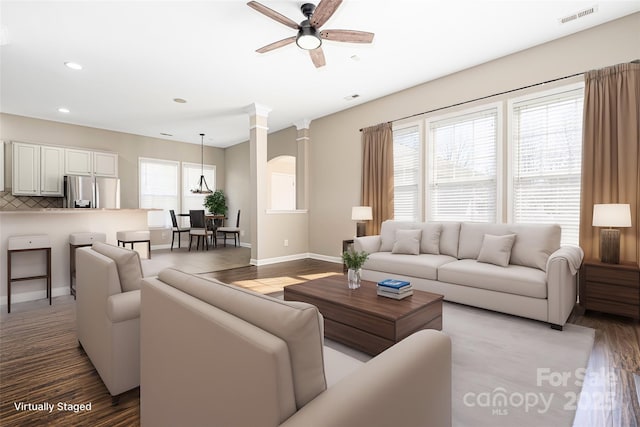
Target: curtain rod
{"points": [[485, 97]]}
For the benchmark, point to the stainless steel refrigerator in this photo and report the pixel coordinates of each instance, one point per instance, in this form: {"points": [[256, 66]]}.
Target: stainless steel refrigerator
{"points": [[91, 192]]}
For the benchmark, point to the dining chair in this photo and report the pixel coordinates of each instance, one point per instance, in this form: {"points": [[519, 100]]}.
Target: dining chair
{"points": [[176, 228], [199, 229], [235, 231]]}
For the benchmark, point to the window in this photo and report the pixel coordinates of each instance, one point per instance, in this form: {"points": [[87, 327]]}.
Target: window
{"points": [[190, 179], [462, 180], [406, 173], [546, 161], [159, 188]]}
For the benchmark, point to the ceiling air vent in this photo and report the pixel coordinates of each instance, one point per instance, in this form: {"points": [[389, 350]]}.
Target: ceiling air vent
{"points": [[578, 15]]}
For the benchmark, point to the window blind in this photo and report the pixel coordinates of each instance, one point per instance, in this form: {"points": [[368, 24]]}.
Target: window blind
{"points": [[462, 183], [159, 188], [406, 173], [547, 156]]}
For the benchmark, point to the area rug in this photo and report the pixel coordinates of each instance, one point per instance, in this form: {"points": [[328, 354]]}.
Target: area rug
{"points": [[510, 371]]}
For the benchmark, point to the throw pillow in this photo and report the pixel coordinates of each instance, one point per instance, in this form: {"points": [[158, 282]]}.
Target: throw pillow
{"points": [[430, 242], [496, 249], [407, 242]]}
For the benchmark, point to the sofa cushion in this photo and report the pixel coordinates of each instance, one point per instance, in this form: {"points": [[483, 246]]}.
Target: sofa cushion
{"points": [[430, 241], [407, 242], [534, 244], [471, 235], [388, 231], [423, 265], [496, 249], [513, 279], [298, 324], [127, 264], [449, 237]]}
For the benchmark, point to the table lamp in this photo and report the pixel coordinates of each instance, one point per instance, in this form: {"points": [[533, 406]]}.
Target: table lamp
{"points": [[611, 215], [360, 214]]}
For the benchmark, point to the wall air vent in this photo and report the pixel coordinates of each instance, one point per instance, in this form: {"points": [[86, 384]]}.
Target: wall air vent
{"points": [[578, 15]]}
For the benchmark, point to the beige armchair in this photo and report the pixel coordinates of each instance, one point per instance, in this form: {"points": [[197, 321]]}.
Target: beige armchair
{"points": [[215, 354], [108, 313]]}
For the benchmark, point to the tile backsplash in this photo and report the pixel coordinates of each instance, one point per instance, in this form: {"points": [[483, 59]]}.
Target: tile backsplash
{"points": [[9, 202]]}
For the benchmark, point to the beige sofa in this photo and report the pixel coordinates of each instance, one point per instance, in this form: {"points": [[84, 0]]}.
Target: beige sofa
{"points": [[108, 312], [215, 354], [518, 269]]}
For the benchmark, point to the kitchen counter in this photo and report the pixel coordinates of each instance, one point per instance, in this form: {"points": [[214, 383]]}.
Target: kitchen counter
{"points": [[58, 224]]}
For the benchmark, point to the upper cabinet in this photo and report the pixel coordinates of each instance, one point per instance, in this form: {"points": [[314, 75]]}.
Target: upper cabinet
{"points": [[86, 162], [105, 164], [26, 169], [78, 162], [39, 170], [51, 171]]}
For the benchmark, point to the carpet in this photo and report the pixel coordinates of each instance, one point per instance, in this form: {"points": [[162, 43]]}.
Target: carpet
{"points": [[510, 371]]}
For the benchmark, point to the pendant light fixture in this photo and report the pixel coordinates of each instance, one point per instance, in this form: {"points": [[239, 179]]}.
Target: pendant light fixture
{"points": [[202, 187]]}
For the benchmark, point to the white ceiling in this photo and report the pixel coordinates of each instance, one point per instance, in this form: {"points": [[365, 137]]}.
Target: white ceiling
{"points": [[140, 55]]}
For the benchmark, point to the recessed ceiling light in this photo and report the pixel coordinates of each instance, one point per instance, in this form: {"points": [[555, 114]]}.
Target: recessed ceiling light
{"points": [[73, 65], [180, 100], [355, 58], [350, 97], [165, 134], [63, 110]]}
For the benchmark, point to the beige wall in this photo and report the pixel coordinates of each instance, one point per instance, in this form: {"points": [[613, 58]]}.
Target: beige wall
{"points": [[238, 187], [335, 139], [128, 146]]}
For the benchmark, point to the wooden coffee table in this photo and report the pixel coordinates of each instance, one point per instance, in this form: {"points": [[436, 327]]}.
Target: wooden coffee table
{"points": [[363, 320]]}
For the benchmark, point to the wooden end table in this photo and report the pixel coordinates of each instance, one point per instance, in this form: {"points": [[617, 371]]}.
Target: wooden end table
{"points": [[610, 288], [363, 320]]}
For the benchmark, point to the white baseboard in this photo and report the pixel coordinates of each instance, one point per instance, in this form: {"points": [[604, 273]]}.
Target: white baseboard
{"points": [[327, 258], [295, 257], [276, 260]]}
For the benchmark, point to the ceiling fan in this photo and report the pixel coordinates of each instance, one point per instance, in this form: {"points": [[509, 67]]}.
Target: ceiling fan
{"points": [[309, 37]]}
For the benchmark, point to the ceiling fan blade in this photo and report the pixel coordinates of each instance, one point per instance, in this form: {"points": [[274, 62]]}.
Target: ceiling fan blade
{"points": [[350, 36], [323, 12], [273, 14], [276, 45], [317, 56]]}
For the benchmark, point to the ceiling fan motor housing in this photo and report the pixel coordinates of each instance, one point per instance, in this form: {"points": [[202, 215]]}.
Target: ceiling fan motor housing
{"points": [[307, 9]]}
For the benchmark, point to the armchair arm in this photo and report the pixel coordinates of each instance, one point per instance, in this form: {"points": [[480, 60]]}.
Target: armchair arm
{"points": [[124, 306], [367, 243], [562, 267], [407, 385]]}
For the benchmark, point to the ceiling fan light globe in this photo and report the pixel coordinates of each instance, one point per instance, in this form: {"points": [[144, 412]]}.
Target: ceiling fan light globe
{"points": [[308, 38]]}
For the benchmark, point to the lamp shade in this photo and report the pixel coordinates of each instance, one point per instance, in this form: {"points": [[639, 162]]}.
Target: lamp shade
{"points": [[612, 215], [361, 213]]}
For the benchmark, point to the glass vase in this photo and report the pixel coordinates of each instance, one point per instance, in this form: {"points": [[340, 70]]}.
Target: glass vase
{"points": [[353, 276]]}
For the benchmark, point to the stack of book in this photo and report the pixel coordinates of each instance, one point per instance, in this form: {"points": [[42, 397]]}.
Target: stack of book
{"points": [[396, 289]]}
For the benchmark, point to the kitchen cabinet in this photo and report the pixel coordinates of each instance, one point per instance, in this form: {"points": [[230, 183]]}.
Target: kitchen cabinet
{"points": [[37, 170], [77, 162], [51, 171], [26, 169], [105, 164]]}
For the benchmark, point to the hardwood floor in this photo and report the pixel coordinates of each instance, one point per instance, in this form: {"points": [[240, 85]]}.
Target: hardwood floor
{"points": [[40, 361]]}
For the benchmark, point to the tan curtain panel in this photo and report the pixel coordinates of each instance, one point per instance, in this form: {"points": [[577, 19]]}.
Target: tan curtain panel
{"points": [[377, 174], [611, 154]]}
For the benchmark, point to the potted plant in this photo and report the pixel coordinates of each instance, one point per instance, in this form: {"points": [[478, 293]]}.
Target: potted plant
{"points": [[354, 261], [216, 203]]}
